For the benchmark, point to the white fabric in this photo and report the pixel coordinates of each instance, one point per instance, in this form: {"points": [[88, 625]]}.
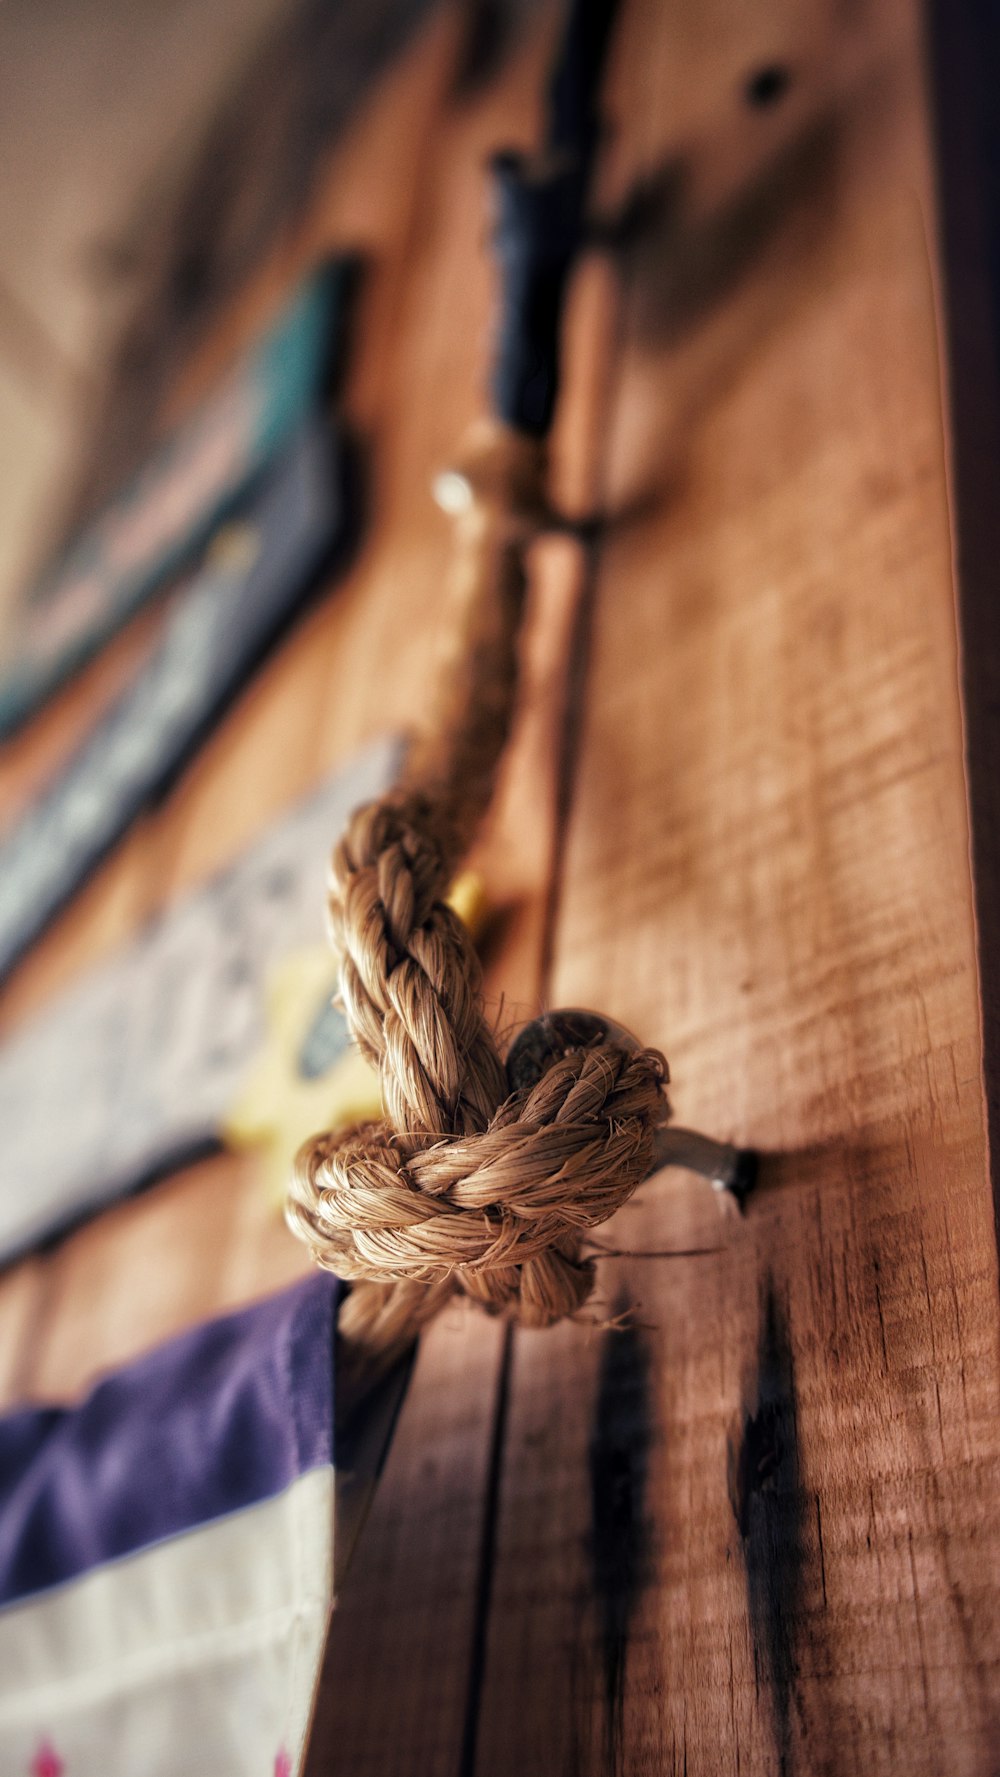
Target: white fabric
{"points": [[195, 1658], [117, 1079]]}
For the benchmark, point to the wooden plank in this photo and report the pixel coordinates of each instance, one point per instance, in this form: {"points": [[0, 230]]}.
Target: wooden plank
{"points": [[253, 174], [101, 109], [396, 1674], [24, 1300], [759, 1531]]}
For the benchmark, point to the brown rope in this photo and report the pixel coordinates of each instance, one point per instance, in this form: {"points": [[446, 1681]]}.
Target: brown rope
{"points": [[466, 1185]]}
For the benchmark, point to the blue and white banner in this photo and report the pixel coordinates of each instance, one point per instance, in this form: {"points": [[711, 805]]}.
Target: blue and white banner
{"points": [[134, 1070], [166, 1555]]}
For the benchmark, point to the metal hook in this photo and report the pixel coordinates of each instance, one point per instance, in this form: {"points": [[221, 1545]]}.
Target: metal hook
{"points": [[727, 1168]]}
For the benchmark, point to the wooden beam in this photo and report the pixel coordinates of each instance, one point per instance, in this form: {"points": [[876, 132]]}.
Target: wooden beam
{"points": [[757, 1530]]}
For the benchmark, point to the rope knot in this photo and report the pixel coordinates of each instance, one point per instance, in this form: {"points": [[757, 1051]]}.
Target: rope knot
{"points": [[498, 1213]]}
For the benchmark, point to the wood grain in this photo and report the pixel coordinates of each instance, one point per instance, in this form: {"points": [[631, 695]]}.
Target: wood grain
{"points": [[758, 1531]]}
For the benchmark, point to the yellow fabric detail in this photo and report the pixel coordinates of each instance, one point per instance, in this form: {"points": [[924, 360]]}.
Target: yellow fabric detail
{"points": [[278, 1108]]}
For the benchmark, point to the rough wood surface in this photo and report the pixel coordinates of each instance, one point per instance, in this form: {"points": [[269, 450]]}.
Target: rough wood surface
{"points": [[757, 1530]]}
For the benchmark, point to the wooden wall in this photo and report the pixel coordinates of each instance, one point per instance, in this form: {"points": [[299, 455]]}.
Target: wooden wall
{"points": [[757, 1531]]}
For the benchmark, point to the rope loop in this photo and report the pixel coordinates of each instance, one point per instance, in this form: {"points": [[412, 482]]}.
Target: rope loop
{"points": [[498, 1214]]}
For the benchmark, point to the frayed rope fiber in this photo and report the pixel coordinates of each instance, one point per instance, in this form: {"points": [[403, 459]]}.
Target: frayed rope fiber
{"points": [[465, 1185]]}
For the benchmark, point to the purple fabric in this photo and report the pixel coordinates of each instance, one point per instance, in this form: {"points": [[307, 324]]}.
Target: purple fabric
{"points": [[224, 1416]]}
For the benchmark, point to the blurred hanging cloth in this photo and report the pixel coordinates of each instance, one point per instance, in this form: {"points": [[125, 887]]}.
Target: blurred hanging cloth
{"points": [[135, 1069], [255, 580], [165, 515], [167, 1554]]}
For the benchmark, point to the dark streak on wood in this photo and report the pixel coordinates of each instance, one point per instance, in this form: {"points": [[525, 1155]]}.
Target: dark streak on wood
{"points": [[769, 1505], [568, 753], [963, 69], [876, 1268], [621, 1532], [492, 31], [682, 268], [487, 1564]]}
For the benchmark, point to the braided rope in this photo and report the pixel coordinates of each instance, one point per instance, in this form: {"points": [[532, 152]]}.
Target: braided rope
{"points": [[466, 1184]]}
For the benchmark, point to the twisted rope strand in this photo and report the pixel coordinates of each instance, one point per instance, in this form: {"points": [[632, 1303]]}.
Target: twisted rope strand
{"points": [[466, 1185]]}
